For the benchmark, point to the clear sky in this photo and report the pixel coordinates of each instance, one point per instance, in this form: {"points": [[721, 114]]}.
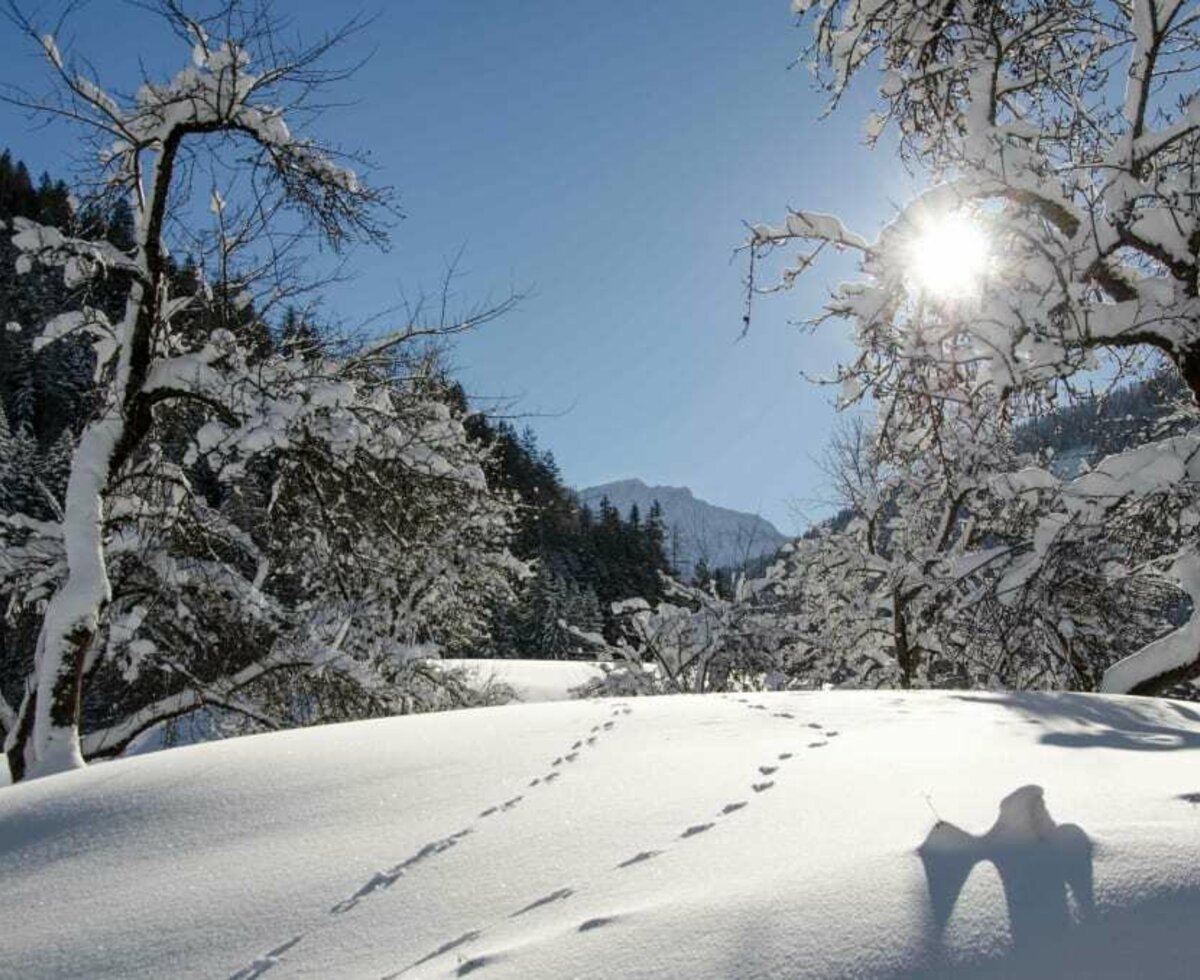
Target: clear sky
{"points": [[603, 156]]}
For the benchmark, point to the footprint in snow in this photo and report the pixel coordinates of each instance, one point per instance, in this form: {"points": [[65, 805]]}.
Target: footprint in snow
{"points": [[572, 757], [817, 745], [442, 950], [385, 879], [813, 724], [783, 714], [591, 740], [577, 745], [829, 734], [767, 770], [639, 858], [763, 787], [551, 777], [478, 963], [557, 762], [609, 724], [509, 804], [489, 811], [535, 782], [785, 755], [598, 923], [729, 808], [266, 961], [697, 829], [558, 895]]}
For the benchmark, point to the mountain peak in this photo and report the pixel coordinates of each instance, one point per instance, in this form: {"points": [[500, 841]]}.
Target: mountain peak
{"points": [[633, 486], [696, 529]]}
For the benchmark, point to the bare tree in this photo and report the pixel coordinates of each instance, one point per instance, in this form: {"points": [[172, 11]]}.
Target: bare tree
{"points": [[315, 434]]}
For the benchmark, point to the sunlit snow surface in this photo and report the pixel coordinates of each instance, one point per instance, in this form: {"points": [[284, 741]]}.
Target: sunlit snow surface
{"points": [[534, 680], [777, 835]]}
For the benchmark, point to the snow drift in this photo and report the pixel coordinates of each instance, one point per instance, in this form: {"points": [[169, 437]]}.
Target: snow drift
{"points": [[837, 834]]}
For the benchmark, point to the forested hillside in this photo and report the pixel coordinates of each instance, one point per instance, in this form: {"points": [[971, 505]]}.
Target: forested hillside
{"points": [[583, 560]]}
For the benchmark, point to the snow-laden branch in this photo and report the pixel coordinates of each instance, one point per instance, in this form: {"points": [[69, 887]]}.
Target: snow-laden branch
{"points": [[1172, 658]]}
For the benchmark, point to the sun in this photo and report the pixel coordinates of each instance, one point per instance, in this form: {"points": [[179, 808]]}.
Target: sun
{"points": [[949, 258]]}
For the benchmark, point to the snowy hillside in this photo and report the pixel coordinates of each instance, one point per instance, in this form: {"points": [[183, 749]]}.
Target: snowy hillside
{"points": [[839, 834], [696, 529], [533, 680]]}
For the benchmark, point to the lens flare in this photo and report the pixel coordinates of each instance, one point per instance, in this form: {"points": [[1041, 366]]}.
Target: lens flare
{"points": [[949, 258]]}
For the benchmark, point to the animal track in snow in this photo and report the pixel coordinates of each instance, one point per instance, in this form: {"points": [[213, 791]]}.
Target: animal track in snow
{"points": [[783, 714], [558, 895], [598, 923], [382, 880], [784, 755], [478, 963], [729, 808], [639, 858], [817, 745], [767, 770], [266, 961], [442, 950], [763, 787], [696, 829]]}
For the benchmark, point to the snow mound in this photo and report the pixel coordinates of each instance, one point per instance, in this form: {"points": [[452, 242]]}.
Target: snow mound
{"points": [[830, 834], [534, 680]]}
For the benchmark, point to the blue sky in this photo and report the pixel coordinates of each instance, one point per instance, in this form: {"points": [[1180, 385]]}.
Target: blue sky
{"points": [[602, 156]]}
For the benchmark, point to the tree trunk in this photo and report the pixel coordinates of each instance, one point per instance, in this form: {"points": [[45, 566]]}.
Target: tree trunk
{"points": [[1189, 369], [905, 655], [21, 742]]}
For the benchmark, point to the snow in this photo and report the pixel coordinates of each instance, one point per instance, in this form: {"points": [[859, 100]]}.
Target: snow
{"points": [[534, 680], [810, 225], [830, 834], [1172, 652]]}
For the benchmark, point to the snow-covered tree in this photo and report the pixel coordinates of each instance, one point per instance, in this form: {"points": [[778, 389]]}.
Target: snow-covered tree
{"points": [[692, 640], [233, 508], [1061, 231]]}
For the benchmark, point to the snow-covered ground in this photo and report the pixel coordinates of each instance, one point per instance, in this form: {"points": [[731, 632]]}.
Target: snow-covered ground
{"points": [[777, 835], [535, 680]]}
